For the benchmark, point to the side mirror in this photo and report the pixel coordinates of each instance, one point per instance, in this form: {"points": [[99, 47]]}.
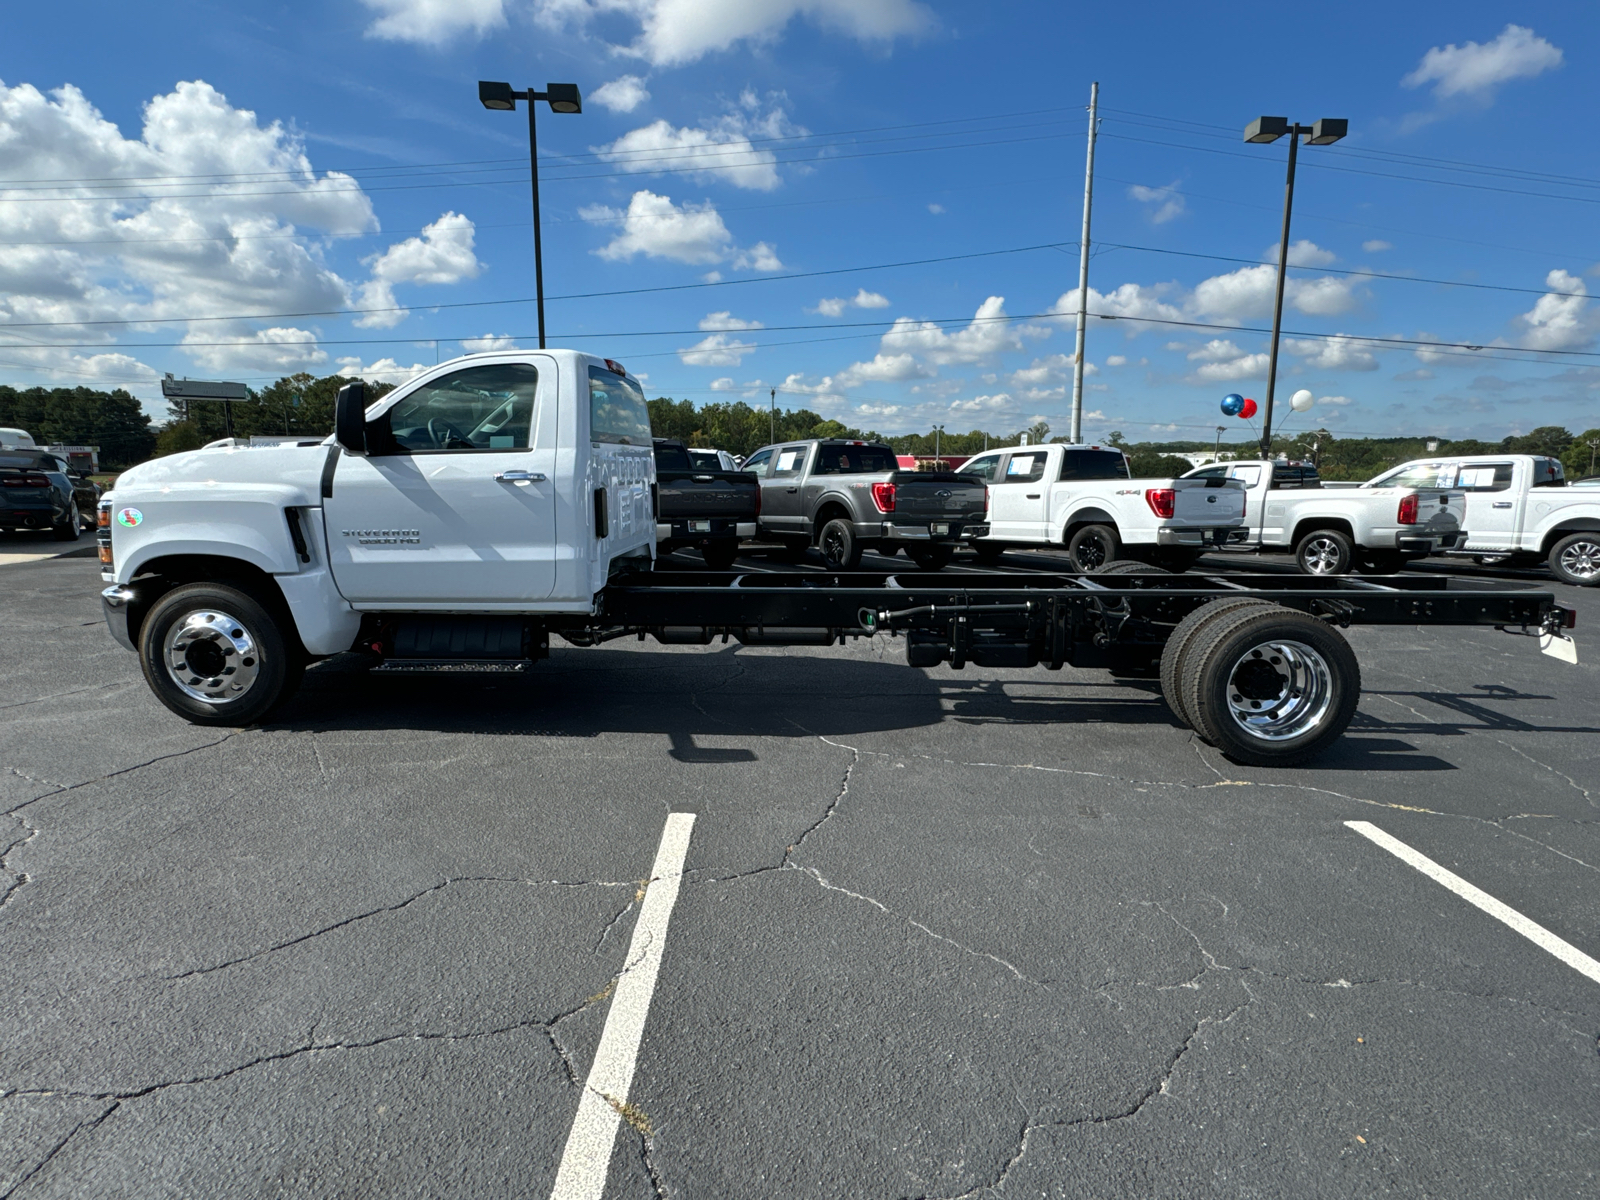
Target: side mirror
{"points": [[350, 418]]}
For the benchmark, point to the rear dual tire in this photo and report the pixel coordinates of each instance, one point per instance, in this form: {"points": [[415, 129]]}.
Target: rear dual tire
{"points": [[1266, 685]]}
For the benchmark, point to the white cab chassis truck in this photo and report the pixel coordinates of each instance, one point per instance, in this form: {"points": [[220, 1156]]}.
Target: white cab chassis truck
{"points": [[459, 521], [1332, 531], [1082, 499], [1520, 511]]}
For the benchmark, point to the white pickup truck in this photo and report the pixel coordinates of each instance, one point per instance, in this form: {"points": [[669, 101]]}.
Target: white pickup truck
{"points": [[1334, 530], [1519, 509], [497, 500], [1083, 499]]}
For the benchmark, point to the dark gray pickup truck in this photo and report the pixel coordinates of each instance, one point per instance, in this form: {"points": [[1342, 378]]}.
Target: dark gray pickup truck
{"points": [[708, 509], [844, 497]]}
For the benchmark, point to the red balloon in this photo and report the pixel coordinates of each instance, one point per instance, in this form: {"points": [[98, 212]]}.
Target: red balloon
{"points": [[1248, 411]]}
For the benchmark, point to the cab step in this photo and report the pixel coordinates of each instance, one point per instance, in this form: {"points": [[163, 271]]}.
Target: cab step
{"points": [[456, 666]]}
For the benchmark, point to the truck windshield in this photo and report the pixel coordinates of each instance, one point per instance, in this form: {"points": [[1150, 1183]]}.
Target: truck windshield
{"points": [[1432, 474], [855, 460], [617, 411], [1094, 464]]}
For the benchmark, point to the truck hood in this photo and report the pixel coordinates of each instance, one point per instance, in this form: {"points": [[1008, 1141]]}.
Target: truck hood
{"points": [[288, 464]]}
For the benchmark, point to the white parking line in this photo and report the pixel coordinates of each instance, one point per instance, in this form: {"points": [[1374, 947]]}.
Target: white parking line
{"points": [[1534, 932], [584, 1163]]}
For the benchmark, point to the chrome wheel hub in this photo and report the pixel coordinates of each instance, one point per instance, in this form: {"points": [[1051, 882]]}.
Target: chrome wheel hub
{"points": [[1581, 560], [1279, 690], [211, 656], [1322, 556]]}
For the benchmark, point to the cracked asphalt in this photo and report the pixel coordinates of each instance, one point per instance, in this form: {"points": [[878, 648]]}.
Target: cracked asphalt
{"points": [[985, 933]]}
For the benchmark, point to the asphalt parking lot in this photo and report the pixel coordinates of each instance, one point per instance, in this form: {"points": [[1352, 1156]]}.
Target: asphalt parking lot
{"points": [[937, 934]]}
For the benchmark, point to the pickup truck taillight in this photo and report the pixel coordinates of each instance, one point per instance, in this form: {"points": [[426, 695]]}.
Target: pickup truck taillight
{"points": [[758, 500], [883, 497], [1408, 510], [1162, 501]]}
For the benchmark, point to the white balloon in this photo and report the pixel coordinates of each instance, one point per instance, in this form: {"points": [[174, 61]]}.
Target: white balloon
{"points": [[1302, 400]]}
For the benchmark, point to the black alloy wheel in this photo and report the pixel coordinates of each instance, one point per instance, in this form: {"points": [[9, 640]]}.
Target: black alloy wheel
{"points": [[1093, 546], [840, 549]]}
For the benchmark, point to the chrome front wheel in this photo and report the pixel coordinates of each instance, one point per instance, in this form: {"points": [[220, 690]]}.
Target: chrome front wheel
{"points": [[1576, 559], [211, 656]]}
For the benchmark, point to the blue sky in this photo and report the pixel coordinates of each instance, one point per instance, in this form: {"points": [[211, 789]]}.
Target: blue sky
{"points": [[270, 170]]}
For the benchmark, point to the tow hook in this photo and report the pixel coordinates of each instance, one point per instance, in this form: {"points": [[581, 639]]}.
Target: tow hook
{"points": [[1552, 640]]}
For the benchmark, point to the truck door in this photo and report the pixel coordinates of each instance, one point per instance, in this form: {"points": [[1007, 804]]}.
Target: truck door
{"points": [[1017, 502], [1255, 498], [1493, 516], [781, 510], [456, 503]]}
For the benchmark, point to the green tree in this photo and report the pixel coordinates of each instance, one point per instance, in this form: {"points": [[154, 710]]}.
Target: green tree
{"points": [[1583, 456]]}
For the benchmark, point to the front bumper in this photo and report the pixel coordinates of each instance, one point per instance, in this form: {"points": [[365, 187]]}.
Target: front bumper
{"points": [[1223, 536], [930, 531], [117, 604]]}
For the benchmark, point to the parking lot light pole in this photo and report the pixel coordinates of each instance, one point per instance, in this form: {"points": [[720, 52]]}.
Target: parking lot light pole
{"points": [[938, 430], [562, 98], [1269, 129]]}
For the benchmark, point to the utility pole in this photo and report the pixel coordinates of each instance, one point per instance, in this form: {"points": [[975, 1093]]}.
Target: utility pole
{"points": [[937, 430], [1083, 269], [1216, 455], [774, 398], [1594, 445]]}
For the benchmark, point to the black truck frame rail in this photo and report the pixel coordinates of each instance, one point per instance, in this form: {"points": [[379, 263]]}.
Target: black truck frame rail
{"points": [[1022, 620]]}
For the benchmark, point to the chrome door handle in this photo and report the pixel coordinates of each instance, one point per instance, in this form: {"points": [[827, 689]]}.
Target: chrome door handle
{"points": [[1502, 504], [793, 490], [519, 477]]}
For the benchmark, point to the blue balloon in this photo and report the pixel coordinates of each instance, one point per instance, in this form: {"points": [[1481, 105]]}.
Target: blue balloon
{"points": [[1232, 403]]}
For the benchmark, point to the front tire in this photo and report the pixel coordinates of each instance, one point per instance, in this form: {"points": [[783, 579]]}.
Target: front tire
{"points": [[989, 553], [216, 656], [1325, 552], [840, 549], [1382, 562], [1093, 547], [719, 556], [1576, 559]]}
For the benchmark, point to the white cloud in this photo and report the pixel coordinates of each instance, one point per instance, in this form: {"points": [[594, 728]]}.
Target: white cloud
{"points": [[1304, 253], [1563, 321], [978, 404], [721, 149], [1337, 354], [385, 370], [760, 257], [1476, 70], [726, 321], [989, 333], [718, 350], [488, 341], [621, 95], [725, 384], [884, 368], [1248, 292], [1335, 400], [1216, 350], [275, 349], [443, 254], [210, 248], [1129, 300], [1116, 360], [835, 306], [936, 209], [1223, 362], [1376, 245], [1167, 201], [676, 32], [428, 21], [657, 228]]}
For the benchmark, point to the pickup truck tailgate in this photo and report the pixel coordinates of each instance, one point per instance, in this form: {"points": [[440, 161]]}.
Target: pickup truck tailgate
{"points": [[938, 495], [726, 495], [1212, 503]]}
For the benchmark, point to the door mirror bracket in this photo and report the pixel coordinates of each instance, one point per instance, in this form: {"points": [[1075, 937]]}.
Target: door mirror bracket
{"points": [[350, 418]]}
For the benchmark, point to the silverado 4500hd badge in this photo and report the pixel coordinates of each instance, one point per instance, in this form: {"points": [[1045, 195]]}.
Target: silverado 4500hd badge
{"points": [[385, 537]]}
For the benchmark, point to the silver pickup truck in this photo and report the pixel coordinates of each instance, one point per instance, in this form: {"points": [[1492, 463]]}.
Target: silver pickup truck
{"points": [[844, 497]]}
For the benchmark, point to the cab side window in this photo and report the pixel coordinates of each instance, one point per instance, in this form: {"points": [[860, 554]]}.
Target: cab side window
{"points": [[1025, 468], [756, 464], [791, 461], [1485, 477], [983, 467], [477, 408]]}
